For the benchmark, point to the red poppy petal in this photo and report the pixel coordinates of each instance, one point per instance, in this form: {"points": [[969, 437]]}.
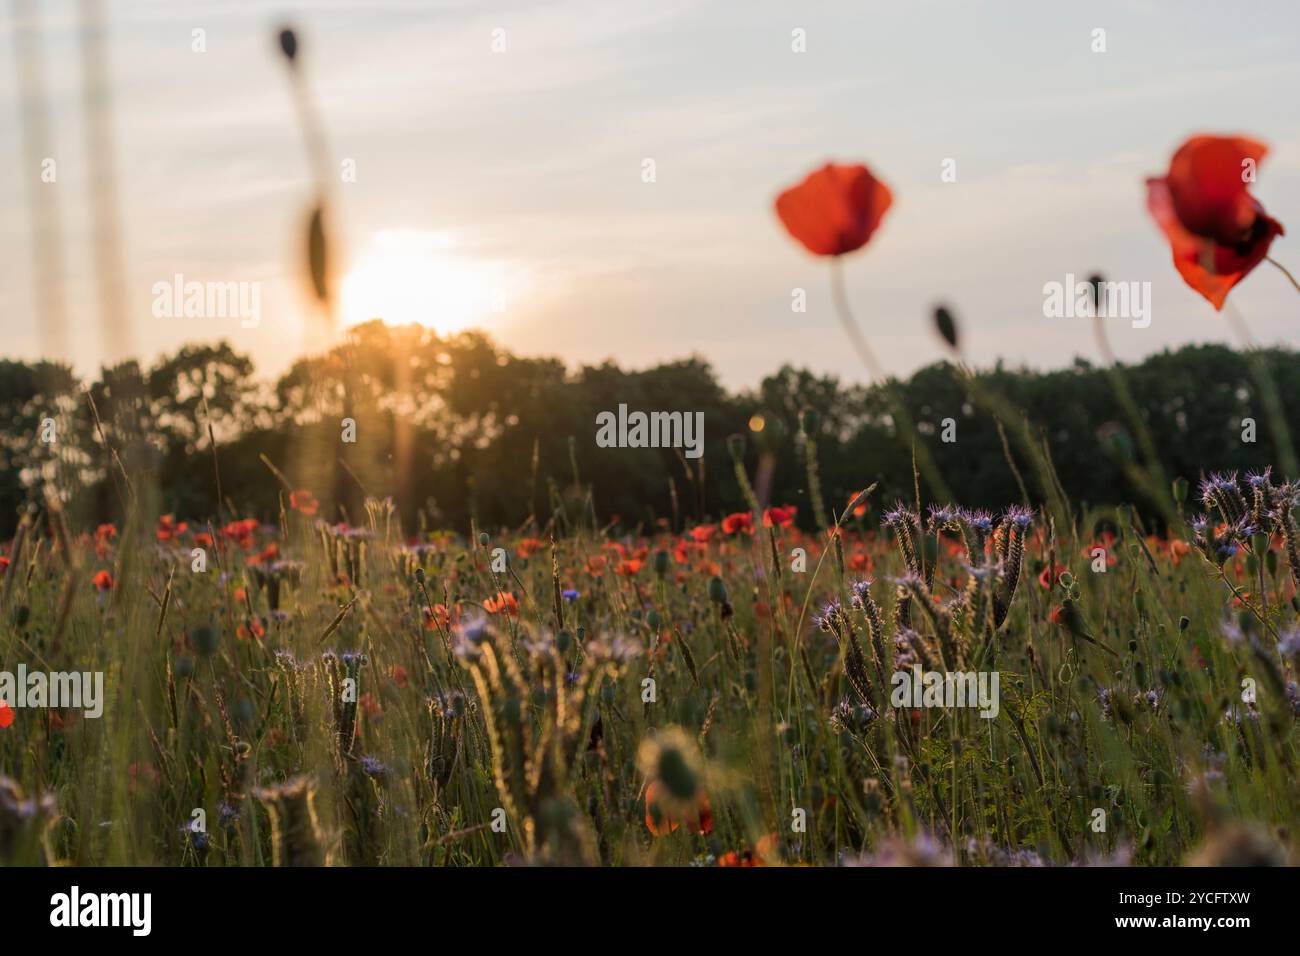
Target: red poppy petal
{"points": [[1207, 186], [1208, 267], [835, 209]]}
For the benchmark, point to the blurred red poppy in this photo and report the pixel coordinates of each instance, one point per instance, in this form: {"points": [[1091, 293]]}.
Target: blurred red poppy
{"points": [[1218, 232], [304, 502], [779, 517], [103, 581], [740, 521], [835, 210], [504, 601], [660, 822]]}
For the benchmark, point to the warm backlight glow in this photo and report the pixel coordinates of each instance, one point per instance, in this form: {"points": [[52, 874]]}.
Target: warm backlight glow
{"points": [[406, 276]]}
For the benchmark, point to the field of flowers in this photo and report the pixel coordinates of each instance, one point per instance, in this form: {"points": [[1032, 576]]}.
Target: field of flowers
{"points": [[715, 694]]}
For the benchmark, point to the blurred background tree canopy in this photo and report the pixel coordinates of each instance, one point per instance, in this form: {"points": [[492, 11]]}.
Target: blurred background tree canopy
{"points": [[457, 429]]}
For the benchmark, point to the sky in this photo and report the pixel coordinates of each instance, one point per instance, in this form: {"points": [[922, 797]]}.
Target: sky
{"points": [[500, 155]]}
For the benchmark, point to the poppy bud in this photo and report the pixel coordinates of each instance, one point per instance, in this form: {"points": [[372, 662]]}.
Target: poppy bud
{"points": [[736, 446], [483, 538], [204, 640], [1116, 440], [946, 326], [289, 44], [1094, 284], [810, 421], [661, 563], [717, 590], [675, 773], [1180, 490], [419, 575]]}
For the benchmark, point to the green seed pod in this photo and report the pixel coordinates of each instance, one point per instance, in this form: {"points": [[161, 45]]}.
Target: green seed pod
{"points": [[946, 325], [204, 640], [483, 538], [661, 563], [1180, 490], [1184, 622], [676, 774], [717, 590]]}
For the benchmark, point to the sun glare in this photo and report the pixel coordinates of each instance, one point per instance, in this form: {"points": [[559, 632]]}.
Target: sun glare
{"points": [[406, 276]]}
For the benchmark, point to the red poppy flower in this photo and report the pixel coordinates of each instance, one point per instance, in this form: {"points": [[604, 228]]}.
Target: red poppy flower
{"points": [[779, 517], [169, 528], [103, 581], [530, 546], [504, 601], [740, 521], [628, 568], [703, 533], [661, 822], [304, 502], [835, 210], [4, 563], [1049, 575], [1218, 232], [596, 565]]}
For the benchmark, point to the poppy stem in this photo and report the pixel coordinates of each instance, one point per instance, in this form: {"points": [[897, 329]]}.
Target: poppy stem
{"points": [[1285, 271], [902, 418], [851, 327]]}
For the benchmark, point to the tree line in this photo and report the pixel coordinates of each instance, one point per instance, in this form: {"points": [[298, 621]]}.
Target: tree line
{"points": [[458, 430]]}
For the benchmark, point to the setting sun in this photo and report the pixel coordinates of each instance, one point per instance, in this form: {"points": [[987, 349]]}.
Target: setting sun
{"points": [[405, 276]]}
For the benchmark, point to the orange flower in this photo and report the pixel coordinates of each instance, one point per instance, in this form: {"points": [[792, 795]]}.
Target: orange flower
{"points": [[504, 601], [103, 581], [702, 534], [437, 616], [661, 822], [1218, 232], [304, 502], [596, 565], [530, 546], [267, 555], [628, 568], [169, 528], [104, 535], [740, 521], [835, 209]]}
